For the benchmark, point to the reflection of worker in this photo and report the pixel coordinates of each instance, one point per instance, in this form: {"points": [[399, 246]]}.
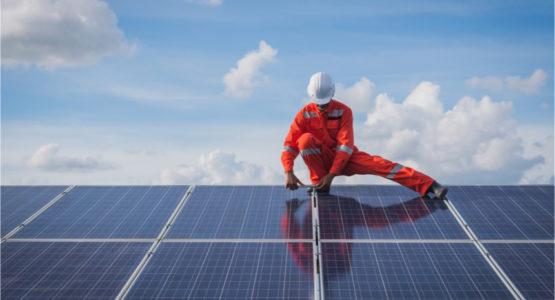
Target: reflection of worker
{"points": [[338, 218], [322, 133]]}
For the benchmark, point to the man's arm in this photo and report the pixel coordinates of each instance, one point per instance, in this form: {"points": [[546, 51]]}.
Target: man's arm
{"points": [[291, 151]]}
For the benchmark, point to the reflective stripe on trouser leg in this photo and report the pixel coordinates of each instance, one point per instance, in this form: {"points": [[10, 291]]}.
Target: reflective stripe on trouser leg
{"points": [[309, 151], [394, 171], [289, 149], [345, 148], [364, 163]]}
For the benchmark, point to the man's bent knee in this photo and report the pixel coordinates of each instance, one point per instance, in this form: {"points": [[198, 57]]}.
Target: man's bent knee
{"points": [[307, 141]]}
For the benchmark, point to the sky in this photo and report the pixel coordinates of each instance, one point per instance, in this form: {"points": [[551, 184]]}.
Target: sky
{"points": [[204, 91]]}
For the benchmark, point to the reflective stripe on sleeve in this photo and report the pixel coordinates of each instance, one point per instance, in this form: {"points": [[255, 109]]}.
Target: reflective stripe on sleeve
{"points": [[289, 149], [345, 148], [394, 171], [310, 151], [310, 114]]}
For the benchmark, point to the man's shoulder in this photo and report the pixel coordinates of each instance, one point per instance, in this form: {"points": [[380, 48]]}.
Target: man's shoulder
{"points": [[307, 109], [338, 105]]}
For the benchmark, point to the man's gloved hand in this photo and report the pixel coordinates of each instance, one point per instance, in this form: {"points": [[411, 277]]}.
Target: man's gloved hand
{"points": [[292, 182], [325, 182]]}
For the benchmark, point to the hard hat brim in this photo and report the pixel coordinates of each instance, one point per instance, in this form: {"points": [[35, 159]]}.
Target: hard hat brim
{"points": [[321, 101]]}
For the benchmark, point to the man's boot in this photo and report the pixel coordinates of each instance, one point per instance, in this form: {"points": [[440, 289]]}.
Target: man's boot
{"points": [[438, 191]]}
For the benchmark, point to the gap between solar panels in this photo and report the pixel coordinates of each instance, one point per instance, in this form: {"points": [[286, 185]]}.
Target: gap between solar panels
{"points": [[485, 253], [36, 214], [135, 275]]}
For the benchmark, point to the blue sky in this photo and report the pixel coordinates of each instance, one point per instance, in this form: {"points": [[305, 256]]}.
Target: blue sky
{"points": [[163, 95]]}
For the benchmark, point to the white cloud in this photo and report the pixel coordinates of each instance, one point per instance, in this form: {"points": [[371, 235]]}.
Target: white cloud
{"points": [[58, 33], [241, 80], [538, 141], [48, 158], [358, 96], [473, 142], [528, 85], [218, 167]]}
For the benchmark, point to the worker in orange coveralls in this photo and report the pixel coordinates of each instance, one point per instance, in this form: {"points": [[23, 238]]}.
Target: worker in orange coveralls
{"points": [[322, 133]]}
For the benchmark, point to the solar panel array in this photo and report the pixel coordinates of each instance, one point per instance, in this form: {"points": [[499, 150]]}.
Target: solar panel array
{"points": [[265, 242]]}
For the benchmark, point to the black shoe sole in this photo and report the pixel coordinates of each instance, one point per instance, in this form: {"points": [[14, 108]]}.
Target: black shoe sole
{"points": [[443, 194]]}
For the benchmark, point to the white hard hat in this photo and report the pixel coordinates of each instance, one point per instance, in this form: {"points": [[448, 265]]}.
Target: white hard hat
{"points": [[320, 88]]}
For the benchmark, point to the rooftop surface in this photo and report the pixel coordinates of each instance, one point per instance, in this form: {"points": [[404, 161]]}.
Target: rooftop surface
{"points": [[265, 242]]}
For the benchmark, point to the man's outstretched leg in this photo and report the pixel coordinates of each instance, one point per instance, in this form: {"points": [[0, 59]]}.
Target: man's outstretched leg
{"points": [[364, 163]]}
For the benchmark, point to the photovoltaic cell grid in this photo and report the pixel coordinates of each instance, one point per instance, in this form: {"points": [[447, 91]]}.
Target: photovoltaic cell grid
{"points": [[276, 270], [530, 267], [408, 271], [384, 212], [226, 271], [506, 212], [107, 212], [20, 202], [67, 270], [268, 212]]}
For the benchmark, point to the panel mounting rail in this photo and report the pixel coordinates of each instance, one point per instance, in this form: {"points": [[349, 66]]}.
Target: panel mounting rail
{"points": [[485, 253], [37, 213], [148, 255]]}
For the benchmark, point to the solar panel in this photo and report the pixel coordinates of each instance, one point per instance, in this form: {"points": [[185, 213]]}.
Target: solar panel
{"points": [[257, 242], [384, 212], [226, 270], [408, 271], [244, 212], [70, 270], [504, 212], [530, 266], [20, 202], [107, 212]]}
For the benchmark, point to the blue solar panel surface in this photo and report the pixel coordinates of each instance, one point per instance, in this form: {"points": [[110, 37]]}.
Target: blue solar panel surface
{"points": [[107, 212], [20, 202], [408, 271], [224, 271], [384, 212], [506, 212], [244, 212], [365, 252], [67, 270], [530, 267]]}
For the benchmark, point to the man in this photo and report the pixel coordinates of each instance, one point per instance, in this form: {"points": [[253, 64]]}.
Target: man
{"points": [[322, 133]]}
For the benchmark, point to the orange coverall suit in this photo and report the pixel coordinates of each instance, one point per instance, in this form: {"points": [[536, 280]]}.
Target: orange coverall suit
{"points": [[325, 141]]}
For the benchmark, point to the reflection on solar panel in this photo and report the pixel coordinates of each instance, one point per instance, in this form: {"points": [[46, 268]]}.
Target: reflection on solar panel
{"points": [[505, 212], [265, 242], [20, 202], [70, 270], [530, 266], [107, 212], [244, 212], [225, 270], [384, 212], [408, 271]]}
